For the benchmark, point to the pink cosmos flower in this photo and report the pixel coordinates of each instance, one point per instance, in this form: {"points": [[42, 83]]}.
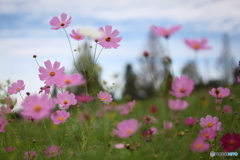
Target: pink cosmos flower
{"points": [[147, 135], [154, 130], [182, 86], [84, 98], [51, 73], [65, 99], [119, 146], [208, 133], [52, 151], [190, 121], [59, 116], [16, 87], [230, 142], [11, 149], [3, 123], [167, 125], [63, 23], [46, 89], [109, 40], [37, 107], [211, 122], [5, 110], [127, 128], [70, 80], [148, 119], [197, 45], [227, 109], [10, 102], [77, 36], [177, 105], [160, 31], [104, 96], [199, 145], [126, 109], [220, 92], [238, 79], [30, 155], [153, 109]]}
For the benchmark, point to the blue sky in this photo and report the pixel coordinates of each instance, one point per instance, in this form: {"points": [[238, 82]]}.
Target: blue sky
{"points": [[25, 31]]}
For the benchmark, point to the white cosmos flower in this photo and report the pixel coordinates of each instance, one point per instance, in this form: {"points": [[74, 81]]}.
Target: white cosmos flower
{"points": [[90, 32]]}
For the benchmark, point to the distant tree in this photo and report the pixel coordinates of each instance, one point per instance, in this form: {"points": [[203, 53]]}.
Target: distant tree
{"points": [[190, 69], [225, 62]]}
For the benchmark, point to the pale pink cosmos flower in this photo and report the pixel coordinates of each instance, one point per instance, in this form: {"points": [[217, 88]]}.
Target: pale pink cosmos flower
{"points": [[119, 146], [53, 151], [227, 109], [190, 121], [59, 116], [45, 89], [127, 128], [154, 130], [149, 119], [220, 92], [10, 102], [238, 79], [182, 86], [104, 96], [211, 122], [177, 105], [65, 99], [167, 125], [160, 31], [16, 87], [30, 155], [208, 133], [77, 36], [37, 107], [197, 45], [127, 108], [3, 123], [66, 80], [11, 149], [5, 110], [110, 39], [83, 98], [51, 73], [63, 23], [199, 145]]}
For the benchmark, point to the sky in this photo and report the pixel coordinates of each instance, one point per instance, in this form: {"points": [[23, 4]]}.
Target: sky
{"points": [[25, 31]]}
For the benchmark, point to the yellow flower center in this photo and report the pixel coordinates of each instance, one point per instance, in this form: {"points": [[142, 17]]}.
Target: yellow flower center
{"points": [[199, 145], [231, 142], [108, 39], [196, 46], [52, 73], [78, 37], [207, 135], [37, 108], [65, 102], [60, 118], [62, 24], [129, 131], [209, 124], [182, 90], [67, 81], [17, 89], [103, 99]]}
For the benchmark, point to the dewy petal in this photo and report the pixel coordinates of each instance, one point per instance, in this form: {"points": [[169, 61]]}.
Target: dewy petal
{"points": [[108, 30], [63, 17]]}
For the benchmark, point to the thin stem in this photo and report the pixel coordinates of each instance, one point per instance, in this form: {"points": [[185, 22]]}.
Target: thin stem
{"points": [[37, 62], [98, 55], [44, 126], [21, 95]]}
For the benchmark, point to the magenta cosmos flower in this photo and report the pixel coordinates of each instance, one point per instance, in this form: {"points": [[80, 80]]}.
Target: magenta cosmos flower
{"points": [[160, 31], [66, 80], [77, 36], [51, 73], [230, 142], [227, 109], [197, 45], [30, 155], [211, 122], [208, 133], [11, 149], [199, 145], [63, 23], [104, 96], [65, 99], [190, 121], [52, 151], [177, 105], [37, 107], [83, 98], [182, 86], [59, 116], [16, 87], [109, 40], [220, 92], [127, 128], [3, 123]]}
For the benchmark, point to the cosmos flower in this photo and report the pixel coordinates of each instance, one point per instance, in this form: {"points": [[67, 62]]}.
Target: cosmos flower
{"points": [[197, 45], [227, 109], [51, 73], [63, 23], [11, 149], [109, 40], [160, 31], [90, 32], [16, 87], [104, 96], [167, 125], [119, 146], [127, 128], [211, 122], [45, 89], [199, 145], [77, 36], [208, 133], [66, 80], [190, 121], [220, 92], [230, 142], [10, 102], [37, 107], [3, 123], [127, 108], [30, 155], [177, 105], [149, 119], [182, 86], [65, 99], [84, 98], [59, 116], [5, 110], [52, 151], [238, 79]]}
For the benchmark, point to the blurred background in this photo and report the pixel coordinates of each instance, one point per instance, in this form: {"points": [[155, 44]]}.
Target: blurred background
{"points": [[25, 31]]}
